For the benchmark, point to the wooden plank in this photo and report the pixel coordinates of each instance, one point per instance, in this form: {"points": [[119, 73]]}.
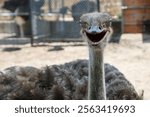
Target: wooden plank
{"points": [[135, 12], [136, 2], [133, 28]]}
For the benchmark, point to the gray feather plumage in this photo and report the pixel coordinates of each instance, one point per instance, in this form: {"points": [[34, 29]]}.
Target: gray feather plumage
{"points": [[61, 82]]}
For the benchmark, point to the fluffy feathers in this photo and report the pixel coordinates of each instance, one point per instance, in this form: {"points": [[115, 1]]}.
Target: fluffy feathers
{"points": [[61, 82]]}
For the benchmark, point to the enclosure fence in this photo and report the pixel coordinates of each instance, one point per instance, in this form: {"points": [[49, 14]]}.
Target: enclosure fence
{"points": [[40, 19]]}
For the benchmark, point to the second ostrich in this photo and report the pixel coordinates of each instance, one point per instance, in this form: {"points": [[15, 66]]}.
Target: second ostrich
{"points": [[73, 80]]}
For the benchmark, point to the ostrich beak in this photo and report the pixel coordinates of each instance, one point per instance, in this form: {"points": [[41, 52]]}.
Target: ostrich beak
{"points": [[95, 34]]}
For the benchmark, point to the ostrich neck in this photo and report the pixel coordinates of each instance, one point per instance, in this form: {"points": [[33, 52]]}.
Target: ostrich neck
{"points": [[96, 88]]}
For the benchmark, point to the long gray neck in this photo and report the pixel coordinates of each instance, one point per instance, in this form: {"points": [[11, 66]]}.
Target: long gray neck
{"points": [[96, 83]]}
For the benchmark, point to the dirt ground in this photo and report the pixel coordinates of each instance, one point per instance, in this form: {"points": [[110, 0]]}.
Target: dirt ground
{"points": [[131, 56]]}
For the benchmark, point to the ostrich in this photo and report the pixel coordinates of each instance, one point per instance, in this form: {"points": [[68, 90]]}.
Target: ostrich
{"points": [[76, 79]]}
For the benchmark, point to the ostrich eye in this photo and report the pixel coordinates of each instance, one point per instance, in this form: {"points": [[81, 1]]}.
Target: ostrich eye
{"points": [[103, 25], [84, 24]]}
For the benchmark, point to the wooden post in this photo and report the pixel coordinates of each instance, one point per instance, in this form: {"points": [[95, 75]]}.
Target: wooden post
{"points": [[31, 23], [98, 5]]}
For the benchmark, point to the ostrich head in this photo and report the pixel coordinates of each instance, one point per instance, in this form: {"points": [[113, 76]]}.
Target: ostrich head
{"points": [[96, 27]]}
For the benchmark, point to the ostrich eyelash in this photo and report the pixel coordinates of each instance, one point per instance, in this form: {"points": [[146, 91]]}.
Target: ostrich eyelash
{"points": [[106, 24], [83, 24]]}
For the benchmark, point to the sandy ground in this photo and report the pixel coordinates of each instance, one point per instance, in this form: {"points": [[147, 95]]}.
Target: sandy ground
{"points": [[131, 56]]}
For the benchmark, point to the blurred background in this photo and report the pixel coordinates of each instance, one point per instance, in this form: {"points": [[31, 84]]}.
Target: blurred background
{"points": [[37, 19], [46, 32]]}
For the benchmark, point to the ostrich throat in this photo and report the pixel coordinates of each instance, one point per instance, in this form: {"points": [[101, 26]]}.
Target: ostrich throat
{"points": [[96, 88]]}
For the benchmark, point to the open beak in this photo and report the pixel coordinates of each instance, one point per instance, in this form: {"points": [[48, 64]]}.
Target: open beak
{"points": [[95, 34]]}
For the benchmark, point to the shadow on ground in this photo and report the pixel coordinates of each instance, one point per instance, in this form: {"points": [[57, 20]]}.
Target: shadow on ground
{"points": [[56, 48], [11, 49]]}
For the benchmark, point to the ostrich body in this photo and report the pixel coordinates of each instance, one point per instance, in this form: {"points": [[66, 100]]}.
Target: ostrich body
{"points": [[68, 81], [73, 80]]}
